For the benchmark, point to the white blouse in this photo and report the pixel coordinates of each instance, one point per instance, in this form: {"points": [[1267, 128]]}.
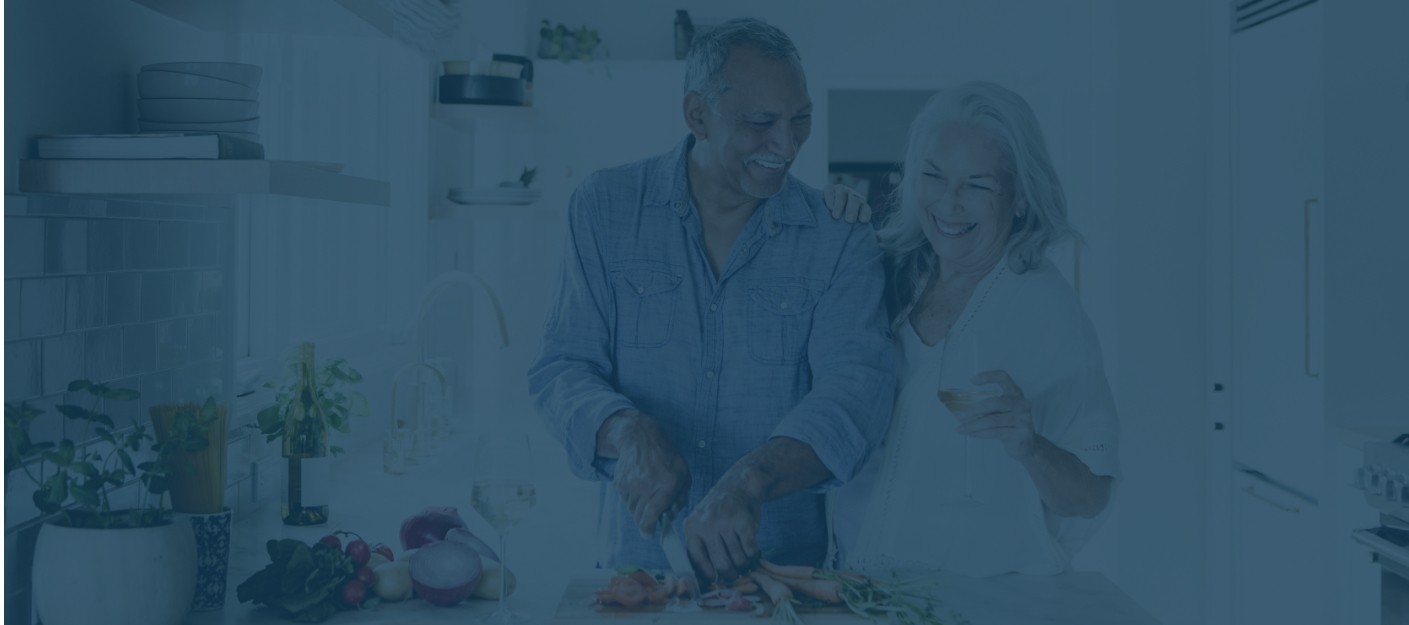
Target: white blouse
{"points": [[932, 498]]}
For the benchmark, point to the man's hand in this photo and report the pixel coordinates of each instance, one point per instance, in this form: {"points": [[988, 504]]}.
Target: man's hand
{"points": [[721, 533], [650, 474], [844, 203]]}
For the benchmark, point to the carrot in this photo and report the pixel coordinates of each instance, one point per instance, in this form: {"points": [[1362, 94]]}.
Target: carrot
{"points": [[777, 591], [745, 586], [825, 590], [782, 596], [780, 571]]}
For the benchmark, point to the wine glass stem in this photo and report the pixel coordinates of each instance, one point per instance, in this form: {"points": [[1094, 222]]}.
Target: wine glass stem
{"points": [[968, 478], [504, 575]]}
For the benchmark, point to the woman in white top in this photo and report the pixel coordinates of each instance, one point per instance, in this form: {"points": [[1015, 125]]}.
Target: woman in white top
{"points": [[1016, 482]]}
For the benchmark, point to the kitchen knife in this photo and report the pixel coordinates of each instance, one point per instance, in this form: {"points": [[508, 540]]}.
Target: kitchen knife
{"points": [[674, 546]]}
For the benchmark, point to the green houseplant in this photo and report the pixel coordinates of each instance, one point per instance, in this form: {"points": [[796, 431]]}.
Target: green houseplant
{"points": [[85, 537]]}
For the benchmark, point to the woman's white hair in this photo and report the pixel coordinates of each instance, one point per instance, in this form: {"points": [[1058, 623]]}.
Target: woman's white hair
{"points": [[704, 63], [1028, 180]]}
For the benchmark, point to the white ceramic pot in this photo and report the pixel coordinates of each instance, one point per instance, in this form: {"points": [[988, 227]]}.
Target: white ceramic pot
{"points": [[86, 576]]}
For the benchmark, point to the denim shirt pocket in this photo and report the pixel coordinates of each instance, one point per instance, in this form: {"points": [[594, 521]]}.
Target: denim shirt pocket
{"points": [[780, 318], [646, 295]]}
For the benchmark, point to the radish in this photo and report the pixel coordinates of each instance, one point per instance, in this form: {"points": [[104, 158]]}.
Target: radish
{"points": [[445, 573]]}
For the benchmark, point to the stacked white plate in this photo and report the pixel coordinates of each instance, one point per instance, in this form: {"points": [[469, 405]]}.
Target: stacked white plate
{"points": [[200, 97], [503, 196]]}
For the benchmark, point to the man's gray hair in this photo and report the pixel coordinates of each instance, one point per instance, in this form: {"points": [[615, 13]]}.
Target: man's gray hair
{"points": [[704, 63], [1028, 176]]}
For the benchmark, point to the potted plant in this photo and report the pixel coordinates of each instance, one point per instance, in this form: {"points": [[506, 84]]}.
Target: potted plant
{"points": [[192, 437], [307, 403], [127, 565], [566, 44]]}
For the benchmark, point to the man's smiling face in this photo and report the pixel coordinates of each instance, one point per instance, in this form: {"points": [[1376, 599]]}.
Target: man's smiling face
{"points": [[754, 131]]}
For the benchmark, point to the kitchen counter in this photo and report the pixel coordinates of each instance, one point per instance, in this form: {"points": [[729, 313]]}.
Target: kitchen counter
{"points": [[550, 548]]}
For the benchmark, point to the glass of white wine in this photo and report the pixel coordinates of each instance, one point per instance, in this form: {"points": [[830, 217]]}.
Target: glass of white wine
{"points": [[503, 494], [958, 393]]}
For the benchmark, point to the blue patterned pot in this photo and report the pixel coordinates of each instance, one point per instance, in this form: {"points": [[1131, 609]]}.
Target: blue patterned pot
{"points": [[212, 558]]}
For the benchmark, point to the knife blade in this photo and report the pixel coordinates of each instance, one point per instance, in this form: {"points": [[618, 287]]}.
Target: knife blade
{"points": [[673, 544]]}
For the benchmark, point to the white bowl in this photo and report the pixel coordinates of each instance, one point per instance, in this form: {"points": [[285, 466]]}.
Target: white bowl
{"points": [[158, 84], [247, 75], [243, 125], [179, 110]]}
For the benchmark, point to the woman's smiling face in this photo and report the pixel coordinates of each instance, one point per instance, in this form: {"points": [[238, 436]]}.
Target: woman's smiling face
{"points": [[963, 196]]}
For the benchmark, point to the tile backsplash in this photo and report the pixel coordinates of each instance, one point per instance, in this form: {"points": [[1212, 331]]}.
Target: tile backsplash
{"points": [[124, 292]]}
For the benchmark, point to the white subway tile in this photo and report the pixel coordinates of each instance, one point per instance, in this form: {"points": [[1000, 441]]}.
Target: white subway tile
{"points": [[22, 373], [65, 246], [42, 306], [24, 246], [87, 302], [63, 361]]}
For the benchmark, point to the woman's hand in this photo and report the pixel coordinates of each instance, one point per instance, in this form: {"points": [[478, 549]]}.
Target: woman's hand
{"points": [[1006, 418], [847, 204]]}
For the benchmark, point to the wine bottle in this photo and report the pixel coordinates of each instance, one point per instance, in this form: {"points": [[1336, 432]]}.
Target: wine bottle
{"points": [[309, 475]]}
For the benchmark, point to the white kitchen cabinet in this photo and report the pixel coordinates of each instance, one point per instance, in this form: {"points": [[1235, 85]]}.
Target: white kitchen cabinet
{"points": [[1277, 572], [1276, 160]]}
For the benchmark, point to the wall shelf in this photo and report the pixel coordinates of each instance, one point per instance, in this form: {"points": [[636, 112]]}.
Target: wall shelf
{"points": [[445, 209], [466, 116], [199, 178]]}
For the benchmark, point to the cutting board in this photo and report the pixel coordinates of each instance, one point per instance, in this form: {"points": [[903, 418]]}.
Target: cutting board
{"points": [[579, 607]]}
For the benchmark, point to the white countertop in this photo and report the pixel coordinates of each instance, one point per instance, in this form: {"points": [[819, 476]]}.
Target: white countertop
{"points": [[551, 547]]}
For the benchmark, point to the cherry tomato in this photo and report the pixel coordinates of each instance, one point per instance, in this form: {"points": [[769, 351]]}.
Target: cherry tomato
{"points": [[358, 551], [353, 592], [366, 576], [331, 541]]}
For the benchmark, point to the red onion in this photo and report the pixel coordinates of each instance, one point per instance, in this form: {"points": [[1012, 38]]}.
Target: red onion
{"points": [[467, 538], [429, 526], [445, 573]]}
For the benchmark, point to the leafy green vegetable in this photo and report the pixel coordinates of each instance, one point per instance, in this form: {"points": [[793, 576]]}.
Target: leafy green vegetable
{"points": [[301, 582]]}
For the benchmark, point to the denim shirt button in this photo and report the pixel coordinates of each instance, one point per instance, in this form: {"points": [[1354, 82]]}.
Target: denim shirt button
{"points": [[702, 444], [713, 307], [709, 374]]}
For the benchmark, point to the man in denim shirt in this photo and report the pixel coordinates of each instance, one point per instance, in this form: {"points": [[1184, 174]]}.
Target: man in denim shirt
{"points": [[718, 346]]}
